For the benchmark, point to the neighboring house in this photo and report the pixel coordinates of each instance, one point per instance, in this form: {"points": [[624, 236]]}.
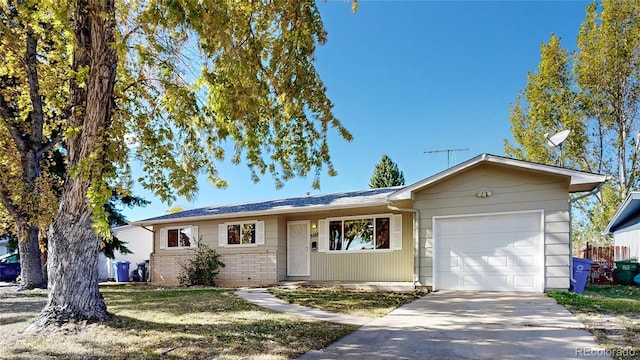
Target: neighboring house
{"points": [[490, 223], [625, 225], [138, 240], [3, 246]]}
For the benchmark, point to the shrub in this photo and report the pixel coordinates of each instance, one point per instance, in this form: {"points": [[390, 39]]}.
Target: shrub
{"points": [[202, 268]]}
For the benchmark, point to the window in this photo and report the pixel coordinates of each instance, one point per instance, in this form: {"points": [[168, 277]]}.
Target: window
{"points": [[359, 234], [178, 237], [241, 234], [367, 233], [246, 233]]}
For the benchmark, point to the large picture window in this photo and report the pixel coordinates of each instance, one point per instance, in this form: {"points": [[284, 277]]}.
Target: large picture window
{"points": [[357, 234]]}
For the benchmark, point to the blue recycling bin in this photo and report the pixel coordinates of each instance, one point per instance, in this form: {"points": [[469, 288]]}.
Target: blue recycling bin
{"points": [[581, 268], [121, 270]]}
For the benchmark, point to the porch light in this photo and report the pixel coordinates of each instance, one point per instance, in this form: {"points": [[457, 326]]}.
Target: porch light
{"points": [[484, 193]]}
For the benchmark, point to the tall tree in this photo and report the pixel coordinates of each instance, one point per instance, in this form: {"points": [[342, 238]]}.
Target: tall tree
{"points": [[30, 126], [596, 97], [189, 80], [386, 174]]}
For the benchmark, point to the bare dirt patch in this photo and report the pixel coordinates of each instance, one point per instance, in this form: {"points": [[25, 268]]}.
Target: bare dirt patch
{"points": [[614, 330]]}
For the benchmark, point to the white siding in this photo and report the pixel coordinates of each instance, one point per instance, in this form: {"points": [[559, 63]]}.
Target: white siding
{"points": [[629, 237], [138, 240]]}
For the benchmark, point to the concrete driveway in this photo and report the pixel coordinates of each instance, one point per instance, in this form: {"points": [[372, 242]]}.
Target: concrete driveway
{"points": [[470, 325]]}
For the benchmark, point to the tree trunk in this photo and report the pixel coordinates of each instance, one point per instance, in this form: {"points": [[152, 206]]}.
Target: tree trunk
{"points": [[73, 262], [73, 244], [30, 263]]}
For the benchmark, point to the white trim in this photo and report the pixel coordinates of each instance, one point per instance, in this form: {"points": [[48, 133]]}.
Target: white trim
{"points": [[579, 180], [323, 231], [632, 197], [308, 239], [361, 217], [164, 237], [395, 232], [540, 258], [257, 242], [352, 217], [286, 210]]}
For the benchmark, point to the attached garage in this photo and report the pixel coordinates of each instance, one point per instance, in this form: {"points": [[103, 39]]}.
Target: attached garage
{"points": [[495, 224], [497, 252]]}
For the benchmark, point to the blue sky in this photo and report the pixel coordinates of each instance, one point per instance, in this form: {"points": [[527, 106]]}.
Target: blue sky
{"points": [[407, 77]]}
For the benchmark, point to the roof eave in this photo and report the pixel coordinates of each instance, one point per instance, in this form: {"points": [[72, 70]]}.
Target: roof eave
{"points": [[312, 208], [615, 221], [579, 181], [407, 193]]}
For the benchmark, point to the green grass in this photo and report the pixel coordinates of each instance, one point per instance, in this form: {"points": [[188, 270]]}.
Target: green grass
{"points": [[178, 323], [611, 313], [613, 298], [360, 303]]}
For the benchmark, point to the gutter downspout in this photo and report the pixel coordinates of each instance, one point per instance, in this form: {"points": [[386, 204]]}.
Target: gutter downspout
{"points": [[153, 243], [416, 244], [571, 200]]}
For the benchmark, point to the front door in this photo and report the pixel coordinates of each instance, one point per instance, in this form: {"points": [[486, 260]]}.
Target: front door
{"points": [[298, 254]]}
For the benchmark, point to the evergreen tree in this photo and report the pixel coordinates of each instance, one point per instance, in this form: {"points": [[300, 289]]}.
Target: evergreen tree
{"points": [[386, 174]]}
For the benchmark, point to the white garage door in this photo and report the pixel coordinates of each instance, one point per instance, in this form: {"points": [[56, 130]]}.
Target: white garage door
{"points": [[491, 252]]}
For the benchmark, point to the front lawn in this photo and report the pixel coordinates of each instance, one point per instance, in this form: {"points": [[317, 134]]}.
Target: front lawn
{"points": [[611, 313], [175, 323], [360, 303]]}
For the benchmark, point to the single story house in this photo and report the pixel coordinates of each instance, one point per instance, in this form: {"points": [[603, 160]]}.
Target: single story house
{"points": [[489, 223], [138, 239], [625, 225]]}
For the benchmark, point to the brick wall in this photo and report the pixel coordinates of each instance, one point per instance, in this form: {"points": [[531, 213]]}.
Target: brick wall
{"points": [[242, 268], [166, 267]]}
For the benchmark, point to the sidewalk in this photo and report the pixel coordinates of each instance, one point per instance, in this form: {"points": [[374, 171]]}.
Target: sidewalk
{"points": [[454, 325], [263, 298]]}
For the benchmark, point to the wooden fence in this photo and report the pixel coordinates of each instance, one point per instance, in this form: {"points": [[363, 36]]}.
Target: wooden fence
{"points": [[604, 258], [605, 254]]}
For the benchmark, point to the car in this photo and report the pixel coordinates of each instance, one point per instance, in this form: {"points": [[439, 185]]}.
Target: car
{"points": [[9, 267]]}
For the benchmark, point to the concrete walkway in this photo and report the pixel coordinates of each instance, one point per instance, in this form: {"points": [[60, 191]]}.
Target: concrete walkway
{"points": [[263, 298], [455, 325]]}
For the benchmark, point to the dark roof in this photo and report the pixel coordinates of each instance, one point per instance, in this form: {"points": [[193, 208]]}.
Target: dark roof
{"points": [[628, 214], [348, 199]]}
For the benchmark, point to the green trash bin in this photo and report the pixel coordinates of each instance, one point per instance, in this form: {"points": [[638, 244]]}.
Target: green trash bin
{"points": [[626, 270]]}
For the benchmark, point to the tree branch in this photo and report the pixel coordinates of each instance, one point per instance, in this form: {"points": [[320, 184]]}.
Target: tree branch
{"points": [[48, 146], [37, 116], [7, 114], [9, 205]]}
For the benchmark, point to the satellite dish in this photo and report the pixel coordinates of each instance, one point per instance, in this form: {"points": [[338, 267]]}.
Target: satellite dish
{"points": [[557, 139]]}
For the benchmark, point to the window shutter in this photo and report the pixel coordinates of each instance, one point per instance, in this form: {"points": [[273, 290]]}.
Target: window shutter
{"points": [[396, 232], [163, 238], [323, 235], [222, 235], [194, 236], [260, 238]]}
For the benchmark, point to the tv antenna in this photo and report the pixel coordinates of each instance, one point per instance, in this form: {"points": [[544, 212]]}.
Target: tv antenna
{"points": [[556, 140], [448, 151]]}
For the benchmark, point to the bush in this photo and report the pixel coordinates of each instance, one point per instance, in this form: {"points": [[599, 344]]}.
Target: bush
{"points": [[202, 268]]}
